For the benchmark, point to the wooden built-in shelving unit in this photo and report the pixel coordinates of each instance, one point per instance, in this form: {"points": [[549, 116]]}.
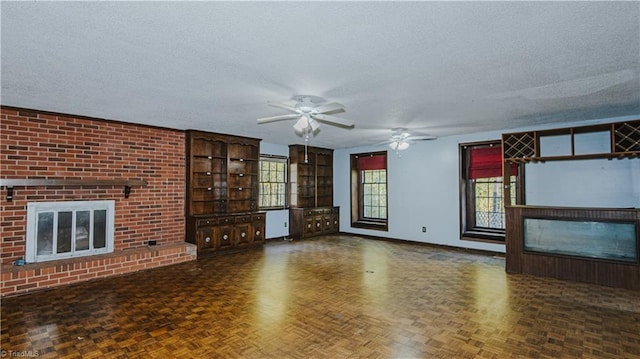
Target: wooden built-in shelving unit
{"points": [[621, 140], [525, 147], [222, 192], [311, 192]]}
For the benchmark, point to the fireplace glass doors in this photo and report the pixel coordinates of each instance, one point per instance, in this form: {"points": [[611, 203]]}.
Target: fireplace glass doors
{"points": [[58, 230]]}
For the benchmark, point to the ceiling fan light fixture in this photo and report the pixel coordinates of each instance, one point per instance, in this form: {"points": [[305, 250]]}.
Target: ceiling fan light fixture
{"points": [[399, 145], [301, 125], [314, 125]]}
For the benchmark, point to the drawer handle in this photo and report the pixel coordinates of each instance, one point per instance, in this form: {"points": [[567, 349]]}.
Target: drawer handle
{"points": [[208, 173], [243, 234], [239, 188], [210, 157], [241, 175], [225, 237], [208, 239], [242, 160], [209, 188], [328, 223], [257, 233], [309, 225]]}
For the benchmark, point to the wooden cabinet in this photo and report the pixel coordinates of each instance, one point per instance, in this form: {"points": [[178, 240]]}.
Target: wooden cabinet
{"points": [[222, 191], [218, 233], [309, 222], [311, 192]]}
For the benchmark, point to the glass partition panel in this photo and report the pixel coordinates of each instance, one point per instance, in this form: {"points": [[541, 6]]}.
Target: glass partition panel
{"points": [[592, 239]]}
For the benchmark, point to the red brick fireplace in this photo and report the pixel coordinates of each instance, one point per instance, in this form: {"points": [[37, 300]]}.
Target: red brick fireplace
{"points": [[94, 157]]}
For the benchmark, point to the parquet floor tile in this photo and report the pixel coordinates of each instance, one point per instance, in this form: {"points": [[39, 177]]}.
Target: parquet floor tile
{"points": [[332, 297]]}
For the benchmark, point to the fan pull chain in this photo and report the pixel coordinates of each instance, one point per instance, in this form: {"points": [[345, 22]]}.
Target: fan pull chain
{"points": [[306, 144]]}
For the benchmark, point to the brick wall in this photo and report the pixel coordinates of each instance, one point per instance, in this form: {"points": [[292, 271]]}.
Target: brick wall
{"points": [[22, 279], [36, 144]]}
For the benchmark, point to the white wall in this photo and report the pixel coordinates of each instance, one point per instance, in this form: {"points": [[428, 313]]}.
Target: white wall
{"points": [[589, 183], [277, 221], [423, 188]]}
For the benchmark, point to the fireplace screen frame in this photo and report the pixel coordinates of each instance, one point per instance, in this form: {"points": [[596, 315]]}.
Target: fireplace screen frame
{"points": [[79, 240]]}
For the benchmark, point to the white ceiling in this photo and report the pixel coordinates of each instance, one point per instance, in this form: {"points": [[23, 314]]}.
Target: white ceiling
{"points": [[438, 67]]}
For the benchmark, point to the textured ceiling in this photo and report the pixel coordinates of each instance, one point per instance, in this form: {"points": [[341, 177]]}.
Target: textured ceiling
{"points": [[438, 68]]}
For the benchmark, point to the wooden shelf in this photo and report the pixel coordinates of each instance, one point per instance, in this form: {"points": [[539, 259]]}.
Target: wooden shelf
{"points": [[573, 157], [525, 147], [10, 183], [312, 179]]}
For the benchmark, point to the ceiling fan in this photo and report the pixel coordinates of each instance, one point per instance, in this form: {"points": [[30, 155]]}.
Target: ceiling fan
{"points": [[309, 113], [401, 139]]}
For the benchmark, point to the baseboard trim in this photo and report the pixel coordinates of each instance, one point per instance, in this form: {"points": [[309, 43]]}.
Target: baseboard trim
{"points": [[432, 245]]}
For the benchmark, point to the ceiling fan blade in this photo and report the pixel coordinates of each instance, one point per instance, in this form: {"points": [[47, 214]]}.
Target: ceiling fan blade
{"points": [[282, 105], [421, 138], [278, 118], [333, 107], [381, 143], [334, 120]]}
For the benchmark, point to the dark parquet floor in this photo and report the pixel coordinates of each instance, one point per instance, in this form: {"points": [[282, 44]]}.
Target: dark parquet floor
{"points": [[332, 297]]}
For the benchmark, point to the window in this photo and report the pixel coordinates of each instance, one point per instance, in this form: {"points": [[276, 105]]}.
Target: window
{"points": [[482, 204], [369, 190], [374, 194], [487, 201], [57, 230], [273, 182]]}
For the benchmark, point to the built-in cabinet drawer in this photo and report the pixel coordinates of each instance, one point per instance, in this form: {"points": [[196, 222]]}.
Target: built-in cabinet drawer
{"points": [[225, 220]]}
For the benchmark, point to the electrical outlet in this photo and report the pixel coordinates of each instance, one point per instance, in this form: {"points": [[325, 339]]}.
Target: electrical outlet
{"points": [[424, 229], [285, 224]]}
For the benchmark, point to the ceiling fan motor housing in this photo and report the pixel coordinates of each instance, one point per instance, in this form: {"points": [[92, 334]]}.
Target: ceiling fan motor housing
{"points": [[305, 104]]}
